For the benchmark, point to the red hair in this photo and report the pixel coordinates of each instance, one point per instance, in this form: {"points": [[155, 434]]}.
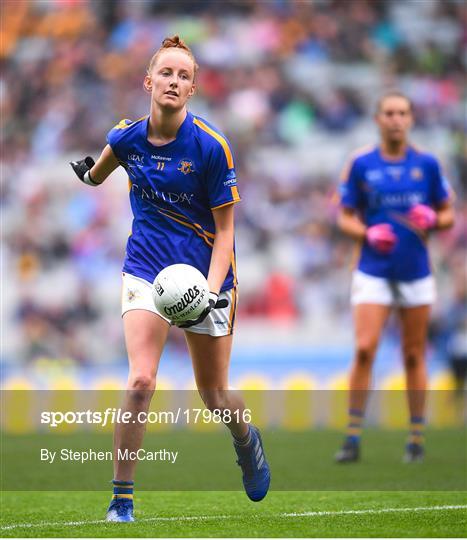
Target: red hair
{"points": [[173, 42], [391, 94]]}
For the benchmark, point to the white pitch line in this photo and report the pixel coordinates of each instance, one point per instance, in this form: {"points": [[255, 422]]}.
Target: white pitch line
{"points": [[375, 511], [255, 516]]}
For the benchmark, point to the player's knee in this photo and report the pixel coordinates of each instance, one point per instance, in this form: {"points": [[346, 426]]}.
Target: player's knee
{"points": [[364, 354], [141, 386], [215, 399], [413, 358]]}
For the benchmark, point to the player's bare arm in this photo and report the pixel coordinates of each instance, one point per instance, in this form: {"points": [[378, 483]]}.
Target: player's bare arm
{"points": [[94, 173], [104, 166], [349, 223], [445, 215], [223, 247]]}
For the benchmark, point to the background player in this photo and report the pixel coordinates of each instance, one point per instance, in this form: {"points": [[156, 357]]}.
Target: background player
{"points": [[182, 192], [392, 196]]}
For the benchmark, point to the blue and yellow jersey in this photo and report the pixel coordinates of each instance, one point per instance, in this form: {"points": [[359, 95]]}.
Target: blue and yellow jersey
{"points": [[173, 190], [384, 191]]}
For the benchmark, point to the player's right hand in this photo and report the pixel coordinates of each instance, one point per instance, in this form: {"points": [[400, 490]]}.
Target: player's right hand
{"points": [[82, 169], [381, 238]]}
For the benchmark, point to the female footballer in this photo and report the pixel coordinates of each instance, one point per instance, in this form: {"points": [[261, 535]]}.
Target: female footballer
{"points": [[182, 188], [393, 196]]}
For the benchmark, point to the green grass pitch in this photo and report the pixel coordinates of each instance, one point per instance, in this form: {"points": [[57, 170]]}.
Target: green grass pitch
{"points": [[230, 514], [311, 496]]}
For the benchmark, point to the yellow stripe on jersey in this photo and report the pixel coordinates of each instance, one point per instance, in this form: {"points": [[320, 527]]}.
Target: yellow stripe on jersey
{"points": [[123, 123], [200, 232], [451, 193], [225, 204], [344, 175], [207, 233], [235, 198], [219, 138], [233, 262]]}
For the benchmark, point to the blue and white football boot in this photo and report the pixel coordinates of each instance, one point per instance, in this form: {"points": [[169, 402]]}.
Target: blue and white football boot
{"points": [[255, 468], [414, 453], [120, 511]]}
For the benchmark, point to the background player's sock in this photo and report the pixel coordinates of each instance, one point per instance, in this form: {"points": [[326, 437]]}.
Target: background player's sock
{"points": [[243, 441], [417, 429], [122, 489], [354, 426]]}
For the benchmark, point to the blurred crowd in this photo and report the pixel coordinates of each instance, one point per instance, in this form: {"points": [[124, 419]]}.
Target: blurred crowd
{"points": [[292, 84]]}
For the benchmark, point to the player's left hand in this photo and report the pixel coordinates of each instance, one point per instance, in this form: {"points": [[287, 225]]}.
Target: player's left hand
{"points": [[213, 303], [423, 217]]}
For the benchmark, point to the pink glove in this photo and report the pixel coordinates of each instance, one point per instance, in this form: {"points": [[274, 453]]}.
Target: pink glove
{"points": [[381, 238], [423, 217]]}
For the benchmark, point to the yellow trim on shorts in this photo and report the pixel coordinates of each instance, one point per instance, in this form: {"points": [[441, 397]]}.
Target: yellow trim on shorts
{"points": [[234, 298], [233, 309], [233, 262]]}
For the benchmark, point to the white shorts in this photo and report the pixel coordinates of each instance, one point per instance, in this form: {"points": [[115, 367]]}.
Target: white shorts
{"points": [[368, 289], [137, 294]]}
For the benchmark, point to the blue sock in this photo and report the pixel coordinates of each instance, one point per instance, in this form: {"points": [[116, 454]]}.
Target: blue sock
{"points": [[243, 441], [354, 426], [417, 428], [123, 489]]}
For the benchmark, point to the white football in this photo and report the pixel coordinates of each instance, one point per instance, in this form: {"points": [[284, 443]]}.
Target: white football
{"points": [[180, 292]]}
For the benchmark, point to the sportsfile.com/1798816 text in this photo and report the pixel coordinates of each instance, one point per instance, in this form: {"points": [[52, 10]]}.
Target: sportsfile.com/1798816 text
{"points": [[113, 415]]}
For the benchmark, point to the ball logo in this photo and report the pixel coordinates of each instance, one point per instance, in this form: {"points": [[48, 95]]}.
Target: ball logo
{"points": [[191, 299], [180, 293], [159, 289]]}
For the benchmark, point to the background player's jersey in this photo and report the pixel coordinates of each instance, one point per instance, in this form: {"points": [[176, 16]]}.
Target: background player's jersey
{"points": [[173, 190], [383, 191]]}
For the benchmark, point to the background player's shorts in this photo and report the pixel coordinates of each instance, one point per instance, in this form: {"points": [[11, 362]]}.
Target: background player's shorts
{"points": [[368, 289], [137, 294]]}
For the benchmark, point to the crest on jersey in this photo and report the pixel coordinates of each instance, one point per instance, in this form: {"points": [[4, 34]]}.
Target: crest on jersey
{"points": [[186, 166], [416, 173], [395, 172]]}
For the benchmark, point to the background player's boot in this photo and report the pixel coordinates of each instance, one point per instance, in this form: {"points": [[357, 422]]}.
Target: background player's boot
{"points": [[255, 468], [349, 453], [414, 453], [120, 510]]}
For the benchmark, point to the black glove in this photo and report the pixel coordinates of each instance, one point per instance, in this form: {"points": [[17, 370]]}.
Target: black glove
{"points": [[82, 169], [213, 303]]}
